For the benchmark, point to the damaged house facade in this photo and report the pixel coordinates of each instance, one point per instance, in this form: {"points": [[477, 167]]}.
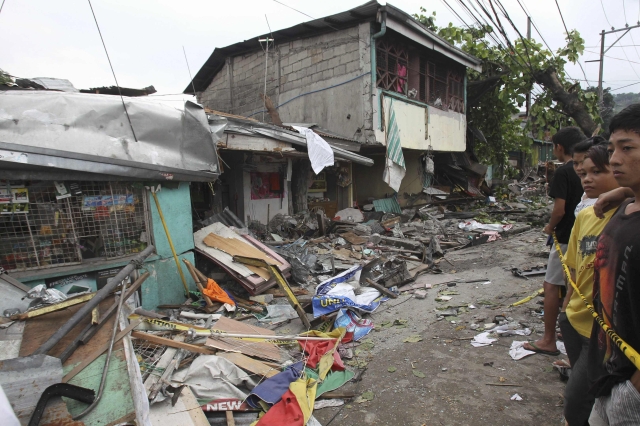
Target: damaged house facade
{"points": [[372, 81]]}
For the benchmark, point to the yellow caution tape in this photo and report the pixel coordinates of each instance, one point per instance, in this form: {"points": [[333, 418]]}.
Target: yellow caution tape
{"points": [[526, 299], [168, 325], [627, 350]]}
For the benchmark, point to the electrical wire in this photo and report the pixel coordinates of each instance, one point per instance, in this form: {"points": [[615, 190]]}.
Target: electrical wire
{"points": [[323, 21], [605, 14], [2, 5], [622, 87], [612, 57], [569, 36], [624, 8], [112, 71]]}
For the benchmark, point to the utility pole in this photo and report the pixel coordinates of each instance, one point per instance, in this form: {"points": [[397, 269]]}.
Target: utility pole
{"points": [[528, 105], [626, 29]]}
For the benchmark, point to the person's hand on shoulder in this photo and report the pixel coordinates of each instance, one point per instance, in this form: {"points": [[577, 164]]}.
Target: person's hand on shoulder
{"points": [[611, 200]]}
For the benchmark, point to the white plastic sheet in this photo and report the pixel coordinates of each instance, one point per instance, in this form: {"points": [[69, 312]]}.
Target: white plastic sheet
{"points": [[472, 225], [482, 339], [320, 153], [211, 377]]}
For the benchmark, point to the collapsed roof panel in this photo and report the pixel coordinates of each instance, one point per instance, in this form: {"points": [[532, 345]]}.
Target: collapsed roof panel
{"points": [[91, 134]]}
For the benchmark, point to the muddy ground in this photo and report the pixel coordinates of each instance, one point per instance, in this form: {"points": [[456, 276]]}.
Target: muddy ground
{"points": [[459, 383]]}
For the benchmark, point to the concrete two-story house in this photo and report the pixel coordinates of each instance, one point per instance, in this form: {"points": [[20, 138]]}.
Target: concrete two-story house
{"points": [[344, 74]]}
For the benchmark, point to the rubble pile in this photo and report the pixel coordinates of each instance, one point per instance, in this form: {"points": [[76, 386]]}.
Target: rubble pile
{"points": [[280, 315]]}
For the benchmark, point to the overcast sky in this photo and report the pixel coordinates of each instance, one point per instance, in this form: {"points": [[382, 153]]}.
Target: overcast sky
{"points": [[44, 38]]}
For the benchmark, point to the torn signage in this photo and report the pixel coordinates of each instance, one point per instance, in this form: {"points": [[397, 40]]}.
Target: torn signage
{"points": [[226, 404], [334, 294]]}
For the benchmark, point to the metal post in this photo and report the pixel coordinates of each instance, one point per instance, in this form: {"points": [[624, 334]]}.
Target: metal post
{"points": [[601, 69], [99, 297]]}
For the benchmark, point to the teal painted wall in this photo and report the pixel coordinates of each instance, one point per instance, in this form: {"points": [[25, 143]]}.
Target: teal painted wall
{"points": [[164, 285], [176, 207]]}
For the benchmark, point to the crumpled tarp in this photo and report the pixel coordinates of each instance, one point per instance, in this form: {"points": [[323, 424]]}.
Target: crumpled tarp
{"points": [[272, 389], [211, 377], [215, 292]]}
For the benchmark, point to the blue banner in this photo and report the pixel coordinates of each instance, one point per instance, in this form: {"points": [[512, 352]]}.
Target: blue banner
{"points": [[331, 295]]}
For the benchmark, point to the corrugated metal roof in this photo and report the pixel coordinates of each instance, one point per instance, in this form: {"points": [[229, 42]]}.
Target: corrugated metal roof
{"points": [[349, 18]]}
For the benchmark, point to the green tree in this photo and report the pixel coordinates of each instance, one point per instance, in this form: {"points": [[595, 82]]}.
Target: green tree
{"points": [[5, 77], [509, 72]]}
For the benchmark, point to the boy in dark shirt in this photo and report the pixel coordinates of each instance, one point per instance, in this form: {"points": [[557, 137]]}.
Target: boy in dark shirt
{"points": [[616, 286], [566, 190]]}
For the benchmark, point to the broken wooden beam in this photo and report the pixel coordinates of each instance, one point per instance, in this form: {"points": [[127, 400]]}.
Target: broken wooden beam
{"points": [[381, 289]]}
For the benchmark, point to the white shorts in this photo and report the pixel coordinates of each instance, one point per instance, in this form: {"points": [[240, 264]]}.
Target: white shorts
{"points": [[622, 407], [555, 272]]}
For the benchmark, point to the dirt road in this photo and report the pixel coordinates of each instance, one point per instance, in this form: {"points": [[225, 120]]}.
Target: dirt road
{"points": [[442, 379]]}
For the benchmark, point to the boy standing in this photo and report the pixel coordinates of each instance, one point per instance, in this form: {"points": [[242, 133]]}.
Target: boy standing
{"points": [[576, 322], [616, 286], [566, 189]]}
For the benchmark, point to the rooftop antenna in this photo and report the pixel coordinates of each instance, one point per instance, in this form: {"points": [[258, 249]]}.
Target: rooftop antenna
{"points": [[266, 62], [189, 69]]}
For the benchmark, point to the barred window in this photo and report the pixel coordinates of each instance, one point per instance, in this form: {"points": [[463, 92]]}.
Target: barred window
{"points": [[49, 224], [402, 69], [392, 62]]}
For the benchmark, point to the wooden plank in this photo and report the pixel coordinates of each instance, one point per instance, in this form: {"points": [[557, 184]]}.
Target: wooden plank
{"points": [[92, 357], [382, 289], [415, 271], [254, 349], [53, 308], [263, 273], [171, 343], [231, 326], [186, 412], [230, 420], [249, 364], [236, 247]]}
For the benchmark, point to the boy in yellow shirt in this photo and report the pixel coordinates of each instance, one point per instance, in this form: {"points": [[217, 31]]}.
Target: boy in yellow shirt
{"points": [[576, 321]]}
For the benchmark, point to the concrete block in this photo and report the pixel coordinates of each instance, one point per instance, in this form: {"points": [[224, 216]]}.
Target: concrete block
{"points": [[420, 294], [326, 74], [327, 54], [353, 66], [316, 77], [287, 70], [297, 66], [340, 70], [306, 62], [334, 62], [340, 50]]}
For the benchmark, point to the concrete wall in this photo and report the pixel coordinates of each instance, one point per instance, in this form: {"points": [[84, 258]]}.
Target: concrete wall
{"points": [[297, 68], [422, 126]]}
